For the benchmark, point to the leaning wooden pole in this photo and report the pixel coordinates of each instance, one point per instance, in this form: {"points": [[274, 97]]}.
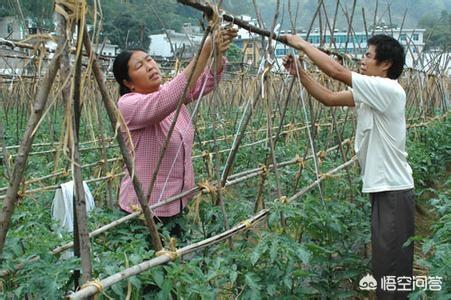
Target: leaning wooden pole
{"points": [[80, 213], [71, 99], [10, 200], [208, 10], [128, 160]]}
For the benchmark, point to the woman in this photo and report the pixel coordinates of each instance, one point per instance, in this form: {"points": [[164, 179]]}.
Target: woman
{"points": [[148, 107]]}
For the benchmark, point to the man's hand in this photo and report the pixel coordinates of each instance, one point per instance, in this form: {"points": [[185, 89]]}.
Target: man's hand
{"points": [[295, 41], [289, 62]]}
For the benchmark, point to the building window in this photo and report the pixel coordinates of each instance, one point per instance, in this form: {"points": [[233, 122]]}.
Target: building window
{"points": [[415, 36], [402, 37], [340, 38], [281, 52]]}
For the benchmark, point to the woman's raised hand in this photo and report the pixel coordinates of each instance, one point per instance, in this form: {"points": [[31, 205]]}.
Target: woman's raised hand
{"points": [[223, 38]]}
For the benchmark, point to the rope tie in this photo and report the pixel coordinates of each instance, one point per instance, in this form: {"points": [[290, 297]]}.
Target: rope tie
{"points": [[247, 223], [300, 161], [193, 211], [318, 127], [327, 176], [20, 194], [95, 283], [321, 155], [264, 170], [289, 132], [206, 187], [110, 176], [137, 208], [205, 154], [172, 252], [283, 199]]}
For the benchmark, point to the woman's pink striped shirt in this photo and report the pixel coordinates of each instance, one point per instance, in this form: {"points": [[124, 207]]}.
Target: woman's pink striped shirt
{"points": [[149, 117]]}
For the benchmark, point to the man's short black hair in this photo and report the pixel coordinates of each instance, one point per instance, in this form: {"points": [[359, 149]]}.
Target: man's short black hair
{"points": [[389, 49]]}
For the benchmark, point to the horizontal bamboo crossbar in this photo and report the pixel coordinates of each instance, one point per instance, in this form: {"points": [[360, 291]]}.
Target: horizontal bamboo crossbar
{"points": [[91, 289]]}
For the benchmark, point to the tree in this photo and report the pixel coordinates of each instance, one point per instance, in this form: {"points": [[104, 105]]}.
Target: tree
{"points": [[127, 32], [437, 27], [234, 54]]}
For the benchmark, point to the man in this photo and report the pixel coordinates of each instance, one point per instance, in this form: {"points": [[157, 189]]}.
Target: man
{"points": [[379, 144]]}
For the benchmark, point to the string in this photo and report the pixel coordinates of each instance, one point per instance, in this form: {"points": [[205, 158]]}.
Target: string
{"points": [[302, 90]]}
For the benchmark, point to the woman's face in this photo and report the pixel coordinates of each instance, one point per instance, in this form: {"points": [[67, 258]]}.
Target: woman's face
{"points": [[144, 74]]}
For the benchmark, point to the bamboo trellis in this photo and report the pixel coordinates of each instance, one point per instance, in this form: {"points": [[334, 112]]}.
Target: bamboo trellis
{"points": [[240, 101]]}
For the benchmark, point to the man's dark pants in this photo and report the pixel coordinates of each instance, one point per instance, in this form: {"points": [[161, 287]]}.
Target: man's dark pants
{"points": [[392, 224]]}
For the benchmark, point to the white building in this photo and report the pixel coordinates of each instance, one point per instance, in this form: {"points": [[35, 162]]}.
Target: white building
{"points": [[184, 44], [107, 49]]}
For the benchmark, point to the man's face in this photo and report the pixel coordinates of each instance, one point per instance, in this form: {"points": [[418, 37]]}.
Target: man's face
{"points": [[369, 65]]}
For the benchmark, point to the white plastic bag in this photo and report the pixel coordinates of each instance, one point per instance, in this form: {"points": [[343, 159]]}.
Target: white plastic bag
{"points": [[63, 209], [62, 205]]}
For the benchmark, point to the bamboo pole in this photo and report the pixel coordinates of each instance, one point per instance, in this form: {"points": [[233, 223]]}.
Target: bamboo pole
{"points": [[80, 214]]}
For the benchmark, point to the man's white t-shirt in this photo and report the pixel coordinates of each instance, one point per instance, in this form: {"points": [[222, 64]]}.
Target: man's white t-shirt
{"points": [[381, 133]]}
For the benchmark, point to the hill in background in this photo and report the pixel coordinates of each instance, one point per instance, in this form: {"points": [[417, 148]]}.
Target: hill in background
{"points": [[129, 22]]}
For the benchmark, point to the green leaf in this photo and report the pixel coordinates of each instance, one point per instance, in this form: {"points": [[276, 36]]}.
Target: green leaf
{"points": [[274, 250], [303, 254], [427, 246], [233, 276], [158, 277], [251, 281]]}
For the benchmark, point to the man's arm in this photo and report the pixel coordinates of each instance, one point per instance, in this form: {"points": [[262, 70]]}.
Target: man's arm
{"points": [[323, 94], [319, 92], [326, 63]]}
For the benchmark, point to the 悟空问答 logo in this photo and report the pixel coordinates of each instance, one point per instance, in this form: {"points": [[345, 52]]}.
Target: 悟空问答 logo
{"points": [[368, 283]]}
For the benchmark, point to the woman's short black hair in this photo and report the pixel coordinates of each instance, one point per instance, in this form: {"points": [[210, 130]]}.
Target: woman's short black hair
{"points": [[389, 49], [120, 69]]}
